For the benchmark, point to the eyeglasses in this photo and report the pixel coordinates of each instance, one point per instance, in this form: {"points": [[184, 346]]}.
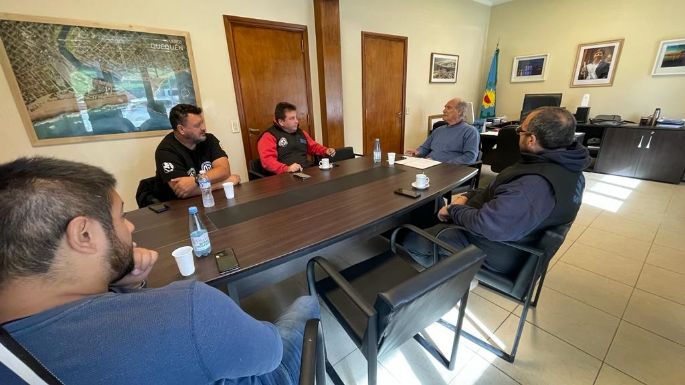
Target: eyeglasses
{"points": [[520, 131]]}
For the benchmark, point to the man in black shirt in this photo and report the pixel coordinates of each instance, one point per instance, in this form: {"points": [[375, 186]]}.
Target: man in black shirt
{"points": [[184, 152]]}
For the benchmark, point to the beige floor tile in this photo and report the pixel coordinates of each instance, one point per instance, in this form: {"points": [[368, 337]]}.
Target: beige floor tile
{"points": [[617, 224], [667, 258], [353, 370], [656, 188], [559, 254], [605, 263], [586, 215], [479, 371], [673, 223], [575, 231], [611, 376], [670, 238], [658, 315], [482, 317], [646, 356], [627, 247], [663, 283], [593, 289], [543, 358], [581, 325], [338, 343], [638, 213], [495, 298]]}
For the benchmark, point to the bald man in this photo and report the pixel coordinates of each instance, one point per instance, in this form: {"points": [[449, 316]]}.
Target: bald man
{"points": [[456, 142]]}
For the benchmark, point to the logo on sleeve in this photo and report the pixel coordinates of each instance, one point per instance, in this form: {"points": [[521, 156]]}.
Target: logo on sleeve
{"points": [[168, 167], [206, 166], [282, 142], [191, 172]]}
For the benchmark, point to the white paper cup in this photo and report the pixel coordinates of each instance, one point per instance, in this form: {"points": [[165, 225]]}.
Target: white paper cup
{"points": [[391, 158], [184, 260], [228, 190]]}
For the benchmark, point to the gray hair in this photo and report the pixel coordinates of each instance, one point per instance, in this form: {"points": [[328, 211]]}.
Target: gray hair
{"points": [[38, 198], [462, 106], [554, 127]]}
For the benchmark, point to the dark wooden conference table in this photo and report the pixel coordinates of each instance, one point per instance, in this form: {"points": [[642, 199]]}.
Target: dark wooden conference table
{"points": [[275, 220]]}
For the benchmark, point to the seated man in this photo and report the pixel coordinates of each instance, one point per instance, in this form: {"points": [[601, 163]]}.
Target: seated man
{"points": [[456, 142], [184, 152], [70, 278], [284, 147], [542, 190]]}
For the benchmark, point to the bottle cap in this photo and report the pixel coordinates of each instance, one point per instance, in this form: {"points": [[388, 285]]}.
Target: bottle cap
{"points": [[203, 172], [192, 210]]}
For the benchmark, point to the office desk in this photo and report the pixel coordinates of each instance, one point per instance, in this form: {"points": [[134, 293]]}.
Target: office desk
{"points": [[265, 242]]}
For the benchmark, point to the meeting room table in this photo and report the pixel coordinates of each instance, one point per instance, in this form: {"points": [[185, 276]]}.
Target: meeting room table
{"points": [[278, 219]]}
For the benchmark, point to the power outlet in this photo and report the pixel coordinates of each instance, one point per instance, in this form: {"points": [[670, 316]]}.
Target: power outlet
{"points": [[234, 127]]}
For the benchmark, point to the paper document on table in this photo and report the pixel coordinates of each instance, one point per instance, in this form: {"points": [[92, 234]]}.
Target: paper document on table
{"points": [[420, 163]]}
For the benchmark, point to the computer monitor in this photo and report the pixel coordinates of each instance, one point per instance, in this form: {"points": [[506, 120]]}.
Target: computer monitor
{"points": [[533, 101]]}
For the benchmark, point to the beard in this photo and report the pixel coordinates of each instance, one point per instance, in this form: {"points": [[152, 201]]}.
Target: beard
{"points": [[121, 258]]}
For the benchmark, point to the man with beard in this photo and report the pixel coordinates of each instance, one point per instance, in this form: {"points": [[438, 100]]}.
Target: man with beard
{"points": [[71, 292]]}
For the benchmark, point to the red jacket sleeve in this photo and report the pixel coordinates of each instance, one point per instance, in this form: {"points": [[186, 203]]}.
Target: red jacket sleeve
{"points": [[314, 148], [268, 154]]}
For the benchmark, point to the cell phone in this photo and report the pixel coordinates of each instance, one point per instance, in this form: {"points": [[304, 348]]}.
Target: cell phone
{"points": [[158, 208], [226, 261], [301, 175], [408, 192]]}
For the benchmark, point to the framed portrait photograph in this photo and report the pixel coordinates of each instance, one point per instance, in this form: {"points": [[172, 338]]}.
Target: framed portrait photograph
{"points": [[670, 59], [596, 63], [76, 81], [444, 68], [529, 68], [432, 119]]}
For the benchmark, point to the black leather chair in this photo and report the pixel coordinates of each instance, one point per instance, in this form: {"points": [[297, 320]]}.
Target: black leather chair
{"points": [[507, 152], [256, 171], [385, 300], [520, 287], [312, 366], [145, 194], [437, 124], [344, 153]]}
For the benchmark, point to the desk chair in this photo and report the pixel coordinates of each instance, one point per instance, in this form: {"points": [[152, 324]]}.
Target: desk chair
{"points": [[312, 366], [256, 171], [145, 194], [385, 300], [342, 153], [507, 152], [519, 286]]}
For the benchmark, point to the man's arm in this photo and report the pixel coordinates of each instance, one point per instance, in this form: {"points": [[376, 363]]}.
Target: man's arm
{"points": [[469, 154], [314, 148], [424, 149], [221, 173], [173, 172], [268, 156]]}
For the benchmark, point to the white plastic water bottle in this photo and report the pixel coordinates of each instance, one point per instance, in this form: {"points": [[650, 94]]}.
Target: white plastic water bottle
{"points": [[377, 151], [199, 236], [206, 188]]}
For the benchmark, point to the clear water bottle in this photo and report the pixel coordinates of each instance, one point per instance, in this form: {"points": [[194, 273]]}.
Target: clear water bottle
{"points": [[199, 236], [377, 151], [206, 188]]}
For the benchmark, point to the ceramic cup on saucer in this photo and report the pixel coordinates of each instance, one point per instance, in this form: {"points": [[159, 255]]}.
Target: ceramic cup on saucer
{"points": [[422, 181], [325, 163]]}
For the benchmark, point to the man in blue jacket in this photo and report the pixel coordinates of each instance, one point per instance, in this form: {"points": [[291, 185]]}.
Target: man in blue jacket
{"points": [[542, 190], [70, 278]]}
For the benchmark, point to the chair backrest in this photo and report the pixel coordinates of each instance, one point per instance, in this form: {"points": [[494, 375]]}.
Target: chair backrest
{"points": [[507, 152], [413, 305], [256, 171], [145, 194], [343, 153]]}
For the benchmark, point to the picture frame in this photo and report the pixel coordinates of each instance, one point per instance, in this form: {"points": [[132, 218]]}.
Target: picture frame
{"points": [[596, 63], [529, 68], [76, 81], [432, 119], [444, 68], [670, 58]]}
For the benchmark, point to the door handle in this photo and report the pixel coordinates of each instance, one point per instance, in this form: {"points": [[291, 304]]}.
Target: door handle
{"points": [[639, 145], [650, 141], [253, 130]]}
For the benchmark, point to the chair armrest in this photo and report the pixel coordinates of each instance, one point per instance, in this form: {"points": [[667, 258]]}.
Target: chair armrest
{"points": [[527, 249], [256, 174], [422, 233], [339, 280], [308, 361]]}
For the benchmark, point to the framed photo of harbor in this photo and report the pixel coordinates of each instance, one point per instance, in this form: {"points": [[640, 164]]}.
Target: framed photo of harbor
{"points": [[444, 68], [77, 81], [529, 68], [670, 59]]}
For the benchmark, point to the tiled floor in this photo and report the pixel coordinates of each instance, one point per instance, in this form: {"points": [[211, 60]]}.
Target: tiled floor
{"points": [[612, 310]]}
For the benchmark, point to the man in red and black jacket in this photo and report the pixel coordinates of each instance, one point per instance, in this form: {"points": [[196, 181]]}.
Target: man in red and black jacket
{"points": [[284, 146]]}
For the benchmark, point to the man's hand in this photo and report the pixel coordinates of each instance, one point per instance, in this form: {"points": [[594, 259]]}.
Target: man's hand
{"points": [[295, 167], [143, 260], [234, 178], [460, 200], [183, 186], [330, 151], [412, 152], [443, 214]]}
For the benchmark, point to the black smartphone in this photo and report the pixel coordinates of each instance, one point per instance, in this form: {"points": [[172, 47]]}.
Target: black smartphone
{"points": [[408, 192], [158, 208], [226, 261], [301, 175]]}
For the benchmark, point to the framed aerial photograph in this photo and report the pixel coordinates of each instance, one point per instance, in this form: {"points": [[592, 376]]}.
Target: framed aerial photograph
{"points": [[77, 81], [444, 68], [670, 60], [529, 68], [596, 63]]}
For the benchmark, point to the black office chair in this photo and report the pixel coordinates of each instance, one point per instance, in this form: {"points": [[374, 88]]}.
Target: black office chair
{"points": [[145, 194], [385, 300], [437, 124], [507, 152], [342, 153], [256, 171], [521, 286], [312, 365]]}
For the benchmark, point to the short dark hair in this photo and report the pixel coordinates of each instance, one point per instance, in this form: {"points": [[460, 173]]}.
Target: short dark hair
{"points": [[282, 108], [38, 198], [179, 113], [554, 127]]}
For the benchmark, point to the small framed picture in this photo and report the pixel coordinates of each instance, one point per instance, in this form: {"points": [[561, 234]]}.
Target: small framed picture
{"points": [[596, 63], [444, 68], [432, 119], [530, 68], [670, 60]]}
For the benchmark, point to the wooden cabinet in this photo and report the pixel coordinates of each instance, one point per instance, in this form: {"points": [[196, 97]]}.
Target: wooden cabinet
{"points": [[645, 153]]}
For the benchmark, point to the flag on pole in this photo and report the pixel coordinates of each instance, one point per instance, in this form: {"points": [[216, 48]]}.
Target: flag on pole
{"points": [[487, 108]]}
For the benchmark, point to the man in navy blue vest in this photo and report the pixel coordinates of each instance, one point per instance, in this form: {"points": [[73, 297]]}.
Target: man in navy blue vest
{"points": [[284, 147], [542, 190]]}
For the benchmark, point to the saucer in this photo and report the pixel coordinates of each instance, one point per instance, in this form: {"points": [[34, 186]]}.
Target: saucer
{"points": [[326, 168], [413, 184]]}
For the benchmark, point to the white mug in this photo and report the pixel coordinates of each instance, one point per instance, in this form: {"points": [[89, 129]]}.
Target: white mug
{"points": [[325, 163], [391, 158], [422, 180]]}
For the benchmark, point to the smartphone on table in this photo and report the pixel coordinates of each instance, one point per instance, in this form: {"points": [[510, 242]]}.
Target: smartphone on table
{"points": [[407, 192], [226, 261]]}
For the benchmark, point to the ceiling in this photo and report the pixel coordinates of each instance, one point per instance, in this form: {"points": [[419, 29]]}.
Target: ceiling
{"points": [[492, 2]]}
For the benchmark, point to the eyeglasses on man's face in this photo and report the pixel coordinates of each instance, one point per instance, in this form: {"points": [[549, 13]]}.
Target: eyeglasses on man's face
{"points": [[520, 131]]}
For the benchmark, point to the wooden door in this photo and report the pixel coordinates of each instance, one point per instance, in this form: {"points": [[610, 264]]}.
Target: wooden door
{"points": [[270, 64], [619, 153], [663, 160], [384, 74]]}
